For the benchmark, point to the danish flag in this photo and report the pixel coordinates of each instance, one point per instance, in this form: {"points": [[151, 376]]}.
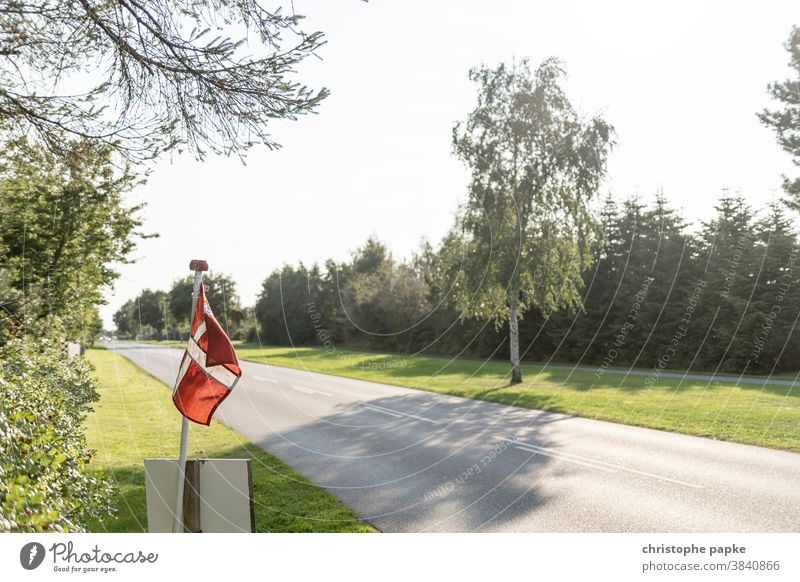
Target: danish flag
{"points": [[209, 368]]}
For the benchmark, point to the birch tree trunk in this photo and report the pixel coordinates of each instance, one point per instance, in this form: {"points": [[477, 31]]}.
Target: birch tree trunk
{"points": [[513, 332]]}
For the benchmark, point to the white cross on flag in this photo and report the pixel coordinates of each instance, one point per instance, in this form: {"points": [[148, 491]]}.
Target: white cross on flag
{"points": [[209, 369]]}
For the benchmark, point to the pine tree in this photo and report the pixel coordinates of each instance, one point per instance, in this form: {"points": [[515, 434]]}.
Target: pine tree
{"points": [[727, 247], [771, 315], [786, 122]]}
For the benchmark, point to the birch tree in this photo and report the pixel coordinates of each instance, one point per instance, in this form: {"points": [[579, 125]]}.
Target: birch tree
{"points": [[535, 166]]}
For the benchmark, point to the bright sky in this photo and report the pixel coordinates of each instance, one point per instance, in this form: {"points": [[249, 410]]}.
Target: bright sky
{"points": [[680, 81]]}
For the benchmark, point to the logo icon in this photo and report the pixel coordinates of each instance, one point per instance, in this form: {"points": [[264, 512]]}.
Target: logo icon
{"points": [[31, 555]]}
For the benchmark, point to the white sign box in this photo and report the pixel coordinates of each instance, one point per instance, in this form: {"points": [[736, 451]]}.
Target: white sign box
{"points": [[226, 495]]}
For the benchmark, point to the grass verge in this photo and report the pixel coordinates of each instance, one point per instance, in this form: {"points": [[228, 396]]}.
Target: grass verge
{"points": [[135, 419]]}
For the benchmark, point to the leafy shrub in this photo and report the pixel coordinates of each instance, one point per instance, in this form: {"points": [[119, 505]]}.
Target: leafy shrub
{"points": [[45, 484]]}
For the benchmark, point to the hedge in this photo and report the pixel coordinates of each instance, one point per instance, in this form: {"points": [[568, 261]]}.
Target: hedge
{"points": [[45, 483]]}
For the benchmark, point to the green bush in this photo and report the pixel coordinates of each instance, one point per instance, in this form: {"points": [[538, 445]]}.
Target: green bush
{"points": [[45, 484]]}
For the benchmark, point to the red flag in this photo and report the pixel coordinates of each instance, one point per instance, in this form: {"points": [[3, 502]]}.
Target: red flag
{"points": [[209, 369]]}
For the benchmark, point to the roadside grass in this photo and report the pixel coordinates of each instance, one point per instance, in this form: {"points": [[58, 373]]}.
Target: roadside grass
{"points": [[135, 419], [747, 413], [533, 365]]}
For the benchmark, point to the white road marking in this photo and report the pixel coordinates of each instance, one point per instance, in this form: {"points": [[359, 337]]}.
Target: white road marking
{"points": [[376, 409], [595, 464], [546, 453], [310, 390], [263, 379], [396, 412]]}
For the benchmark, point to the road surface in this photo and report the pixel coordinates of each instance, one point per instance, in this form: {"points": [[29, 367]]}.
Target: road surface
{"points": [[413, 461]]}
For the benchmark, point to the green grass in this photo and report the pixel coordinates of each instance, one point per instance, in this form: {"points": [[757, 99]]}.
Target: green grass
{"points": [[536, 365], [746, 413], [135, 419]]}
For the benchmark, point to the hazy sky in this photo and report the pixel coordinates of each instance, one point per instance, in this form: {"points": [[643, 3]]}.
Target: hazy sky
{"points": [[681, 82]]}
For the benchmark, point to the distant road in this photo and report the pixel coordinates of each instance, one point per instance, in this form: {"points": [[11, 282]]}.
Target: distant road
{"points": [[765, 381], [412, 461]]}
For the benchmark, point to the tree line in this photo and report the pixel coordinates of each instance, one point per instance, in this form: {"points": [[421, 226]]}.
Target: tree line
{"points": [[630, 285], [159, 315], [660, 293]]}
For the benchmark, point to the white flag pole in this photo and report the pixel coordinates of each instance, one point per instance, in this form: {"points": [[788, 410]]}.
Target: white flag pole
{"points": [[199, 267]]}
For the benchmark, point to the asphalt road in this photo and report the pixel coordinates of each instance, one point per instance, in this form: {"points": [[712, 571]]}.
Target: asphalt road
{"points": [[413, 461]]}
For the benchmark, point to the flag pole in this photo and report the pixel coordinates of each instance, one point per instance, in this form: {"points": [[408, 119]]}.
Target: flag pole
{"points": [[199, 267]]}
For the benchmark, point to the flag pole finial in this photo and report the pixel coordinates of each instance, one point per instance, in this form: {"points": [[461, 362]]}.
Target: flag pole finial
{"points": [[198, 265]]}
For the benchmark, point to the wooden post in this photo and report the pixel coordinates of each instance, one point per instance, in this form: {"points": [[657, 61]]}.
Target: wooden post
{"points": [[250, 492], [191, 498]]}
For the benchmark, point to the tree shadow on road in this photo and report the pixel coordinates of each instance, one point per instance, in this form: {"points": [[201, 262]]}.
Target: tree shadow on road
{"points": [[413, 464]]}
